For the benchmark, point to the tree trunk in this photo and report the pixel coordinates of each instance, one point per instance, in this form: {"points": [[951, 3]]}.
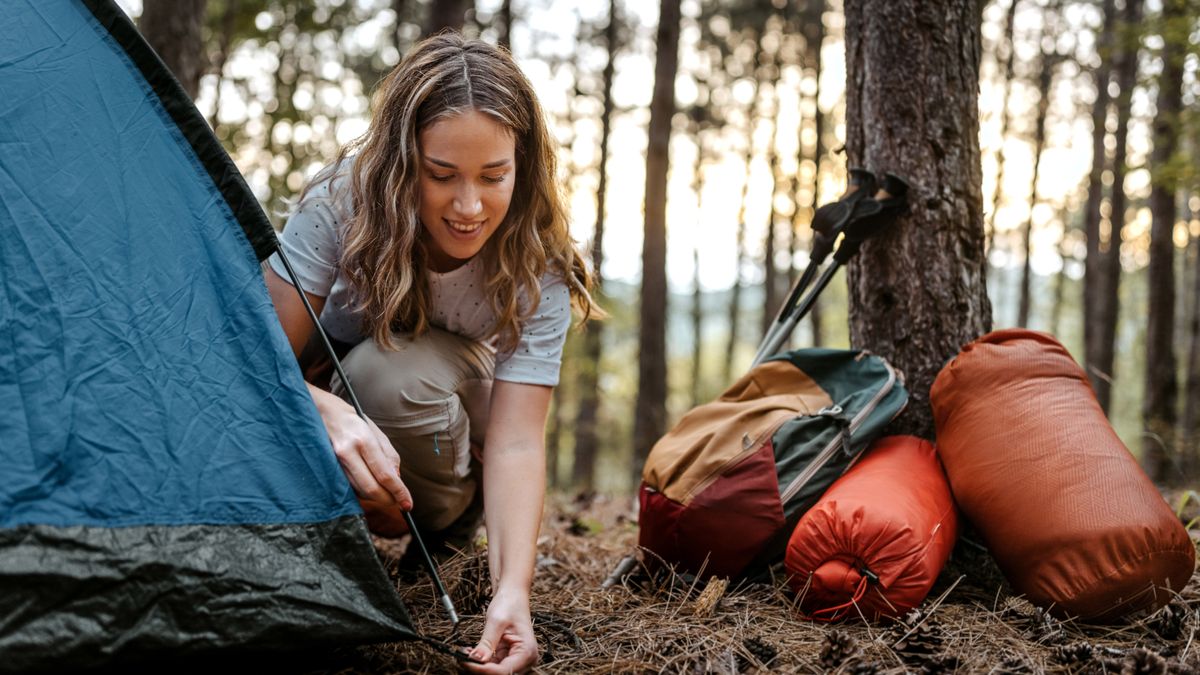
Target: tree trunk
{"points": [[1158, 404], [918, 291], [506, 24], [1093, 267], [586, 440], [224, 41], [447, 14], [1060, 281], [735, 295], [172, 27], [697, 327], [650, 416], [770, 273], [1108, 302], [1045, 77], [1009, 60], [697, 289], [1190, 428], [814, 38]]}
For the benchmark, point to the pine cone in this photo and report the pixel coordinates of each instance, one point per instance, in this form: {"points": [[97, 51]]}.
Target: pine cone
{"points": [[1044, 628], [838, 648], [764, 652], [1015, 609], [920, 643], [1142, 661], [1168, 621], [1014, 665], [1075, 654]]}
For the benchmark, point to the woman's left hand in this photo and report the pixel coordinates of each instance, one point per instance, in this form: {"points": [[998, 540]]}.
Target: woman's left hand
{"points": [[508, 644]]}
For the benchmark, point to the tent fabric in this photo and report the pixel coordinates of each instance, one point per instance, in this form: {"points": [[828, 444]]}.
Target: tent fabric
{"points": [[1071, 519], [873, 545], [167, 482]]}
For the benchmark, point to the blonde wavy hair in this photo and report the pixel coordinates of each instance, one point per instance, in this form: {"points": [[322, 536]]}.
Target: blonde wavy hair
{"points": [[385, 258]]}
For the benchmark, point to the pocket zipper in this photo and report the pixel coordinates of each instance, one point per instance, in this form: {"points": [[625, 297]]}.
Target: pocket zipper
{"points": [[823, 457]]}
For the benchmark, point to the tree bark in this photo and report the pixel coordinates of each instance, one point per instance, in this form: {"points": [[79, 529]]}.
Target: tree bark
{"points": [[172, 27], [447, 14], [1094, 268], [650, 416], [1108, 302], [1045, 77], [586, 439], [918, 291], [1158, 404]]}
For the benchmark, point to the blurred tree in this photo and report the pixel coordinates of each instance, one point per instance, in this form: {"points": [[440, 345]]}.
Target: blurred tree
{"points": [[1048, 61], [813, 29], [506, 24], [173, 29], [586, 440], [1008, 49], [447, 14], [1108, 264], [917, 292], [735, 296], [1158, 404], [650, 413], [1190, 426]]}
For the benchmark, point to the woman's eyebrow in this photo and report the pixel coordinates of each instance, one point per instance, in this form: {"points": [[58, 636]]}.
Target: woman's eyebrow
{"points": [[490, 165]]}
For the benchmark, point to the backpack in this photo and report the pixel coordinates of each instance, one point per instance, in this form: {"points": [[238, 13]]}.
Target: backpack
{"points": [[723, 489]]}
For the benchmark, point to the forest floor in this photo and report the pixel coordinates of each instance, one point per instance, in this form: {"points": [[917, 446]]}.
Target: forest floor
{"points": [[970, 622]]}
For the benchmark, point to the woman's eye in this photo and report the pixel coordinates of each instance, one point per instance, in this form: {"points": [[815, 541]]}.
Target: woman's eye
{"points": [[495, 179], [441, 177]]}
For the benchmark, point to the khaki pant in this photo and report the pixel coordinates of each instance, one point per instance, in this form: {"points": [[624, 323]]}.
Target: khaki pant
{"points": [[431, 399]]}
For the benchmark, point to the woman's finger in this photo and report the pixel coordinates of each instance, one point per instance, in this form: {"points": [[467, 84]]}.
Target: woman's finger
{"points": [[383, 461], [362, 479]]}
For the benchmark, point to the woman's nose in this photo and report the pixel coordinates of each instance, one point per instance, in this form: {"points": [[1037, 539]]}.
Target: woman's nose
{"points": [[466, 201]]}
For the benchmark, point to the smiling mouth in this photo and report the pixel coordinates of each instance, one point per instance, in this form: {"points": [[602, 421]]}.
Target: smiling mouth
{"points": [[465, 228]]}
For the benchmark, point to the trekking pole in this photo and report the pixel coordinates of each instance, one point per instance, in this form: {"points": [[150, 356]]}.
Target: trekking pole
{"points": [[870, 218], [447, 603], [827, 224]]}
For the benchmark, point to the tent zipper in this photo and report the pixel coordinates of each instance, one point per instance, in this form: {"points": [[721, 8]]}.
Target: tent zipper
{"points": [[823, 457]]}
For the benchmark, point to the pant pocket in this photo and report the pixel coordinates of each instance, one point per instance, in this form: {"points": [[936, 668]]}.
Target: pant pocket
{"points": [[430, 436]]}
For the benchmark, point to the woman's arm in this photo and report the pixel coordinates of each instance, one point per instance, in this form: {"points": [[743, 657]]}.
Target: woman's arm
{"points": [[365, 453], [514, 485]]}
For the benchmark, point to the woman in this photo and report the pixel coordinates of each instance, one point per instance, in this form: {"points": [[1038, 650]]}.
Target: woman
{"points": [[437, 253]]}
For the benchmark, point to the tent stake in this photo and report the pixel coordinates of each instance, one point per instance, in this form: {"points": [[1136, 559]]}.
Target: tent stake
{"points": [[447, 603]]}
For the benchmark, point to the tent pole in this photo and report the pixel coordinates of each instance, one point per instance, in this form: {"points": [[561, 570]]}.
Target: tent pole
{"points": [[447, 603]]}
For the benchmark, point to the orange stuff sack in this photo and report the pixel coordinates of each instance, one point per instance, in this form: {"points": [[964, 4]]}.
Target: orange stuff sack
{"points": [[1071, 519], [878, 538]]}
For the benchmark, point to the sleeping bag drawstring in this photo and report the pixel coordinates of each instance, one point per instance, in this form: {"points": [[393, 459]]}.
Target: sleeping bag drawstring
{"points": [[840, 611], [436, 450]]}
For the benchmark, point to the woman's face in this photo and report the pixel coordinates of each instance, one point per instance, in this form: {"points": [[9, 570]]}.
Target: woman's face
{"points": [[468, 167]]}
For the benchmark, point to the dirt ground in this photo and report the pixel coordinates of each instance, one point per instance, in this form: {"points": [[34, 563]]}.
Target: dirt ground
{"points": [[970, 623]]}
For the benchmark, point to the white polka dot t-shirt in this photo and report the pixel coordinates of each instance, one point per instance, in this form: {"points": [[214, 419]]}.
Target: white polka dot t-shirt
{"points": [[312, 240]]}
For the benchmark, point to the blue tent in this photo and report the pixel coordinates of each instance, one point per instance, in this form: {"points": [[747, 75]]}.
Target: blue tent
{"points": [[165, 482]]}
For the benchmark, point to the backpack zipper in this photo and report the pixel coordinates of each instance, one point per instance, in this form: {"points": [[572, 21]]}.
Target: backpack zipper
{"points": [[823, 457]]}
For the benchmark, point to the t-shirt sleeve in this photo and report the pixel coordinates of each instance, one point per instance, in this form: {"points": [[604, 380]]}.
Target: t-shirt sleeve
{"points": [[310, 241], [537, 357]]}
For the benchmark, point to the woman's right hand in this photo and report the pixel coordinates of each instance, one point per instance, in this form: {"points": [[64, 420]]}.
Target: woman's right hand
{"points": [[371, 463]]}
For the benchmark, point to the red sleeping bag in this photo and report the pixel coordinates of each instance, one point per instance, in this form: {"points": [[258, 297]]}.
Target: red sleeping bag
{"points": [[1070, 517], [879, 536]]}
